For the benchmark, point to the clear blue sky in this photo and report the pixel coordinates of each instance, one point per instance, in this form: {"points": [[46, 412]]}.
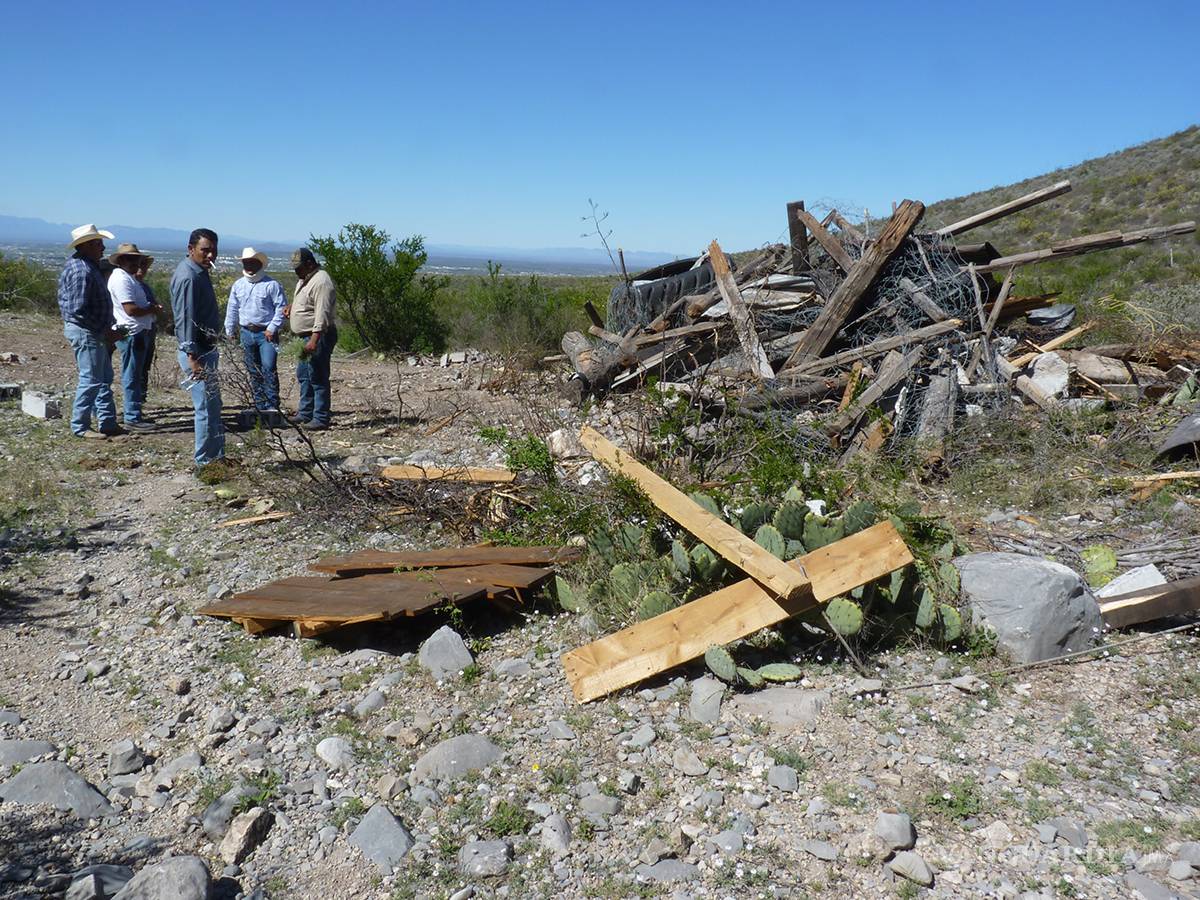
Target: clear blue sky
{"points": [[493, 123]]}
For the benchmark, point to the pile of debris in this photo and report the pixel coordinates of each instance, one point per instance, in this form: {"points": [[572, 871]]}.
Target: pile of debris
{"points": [[844, 322]]}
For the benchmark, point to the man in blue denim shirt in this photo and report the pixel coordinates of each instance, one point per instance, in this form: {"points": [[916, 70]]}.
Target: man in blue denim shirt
{"points": [[88, 325], [256, 303], [197, 329]]}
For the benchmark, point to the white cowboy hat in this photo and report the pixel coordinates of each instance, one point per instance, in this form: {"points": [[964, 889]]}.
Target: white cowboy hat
{"points": [[251, 253], [85, 233]]}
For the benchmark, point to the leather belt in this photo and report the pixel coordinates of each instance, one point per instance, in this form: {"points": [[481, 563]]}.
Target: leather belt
{"points": [[257, 329]]}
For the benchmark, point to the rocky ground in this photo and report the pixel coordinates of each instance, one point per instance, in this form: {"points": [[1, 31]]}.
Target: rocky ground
{"points": [[408, 761]]}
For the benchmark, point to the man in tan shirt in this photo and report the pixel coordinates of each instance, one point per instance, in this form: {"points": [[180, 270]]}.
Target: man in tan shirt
{"points": [[311, 313]]}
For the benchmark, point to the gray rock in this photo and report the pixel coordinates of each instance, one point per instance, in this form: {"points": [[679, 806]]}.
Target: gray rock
{"points": [[564, 444], [556, 834], [100, 881], [10, 717], [336, 753], [83, 887], [1156, 863], [19, 752], [219, 720], [1037, 608], [910, 865], [512, 668], [1051, 373], [785, 778], [59, 785], [1190, 851], [265, 728], [560, 731], [217, 815], [896, 831], [1133, 580], [373, 702], [1181, 870], [444, 654], [456, 757], [785, 707], [382, 838], [125, 757], [865, 686], [629, 782], [820, 849], [600, 805], [643, 736], [245, 833], [483, 859], [685, 760], [1147, 888], [177, 878], [705, 705], [666, 871], [729, 841], [425, 796], [1046, 832], [1070, 831]]}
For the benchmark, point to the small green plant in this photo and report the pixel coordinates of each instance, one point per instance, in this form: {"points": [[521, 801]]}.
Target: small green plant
{"points": [[785, 756], [263, 789], [1042, 773], [471, 673], [961, 799], [508, 819], [351, 808], [526, 454]]}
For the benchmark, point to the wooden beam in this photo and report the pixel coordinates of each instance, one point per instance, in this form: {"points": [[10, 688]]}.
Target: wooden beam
{"points": [[892, 371], [696, 304], [840, 221], [743, 325], [937, 416], [828, 242], [472, 474], [923, 301], [1177, 598], [254, 520], [849, 293], [684, 633], [1087, 244], [1005, 209], [875, 348], [1065, 338], [593, 314], [798, 236], [1025, 384], [722, 537]]}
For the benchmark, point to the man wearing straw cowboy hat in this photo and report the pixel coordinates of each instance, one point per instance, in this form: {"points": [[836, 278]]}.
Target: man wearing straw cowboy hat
{"points": [[88, 325], [255, 313], [134, 316]]}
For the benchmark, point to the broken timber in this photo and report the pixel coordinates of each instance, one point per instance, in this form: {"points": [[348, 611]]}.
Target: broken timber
{"points": [[723, 538], [1146, 605], [743, 325], [1005, 209], [433, 473], [828, 242], [684, 633], [363, 562]]}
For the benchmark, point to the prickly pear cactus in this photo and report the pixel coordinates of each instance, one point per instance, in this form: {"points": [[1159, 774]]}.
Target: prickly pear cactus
{"points": [[602, 543], [654, 604], [926, 609], [721, 664], [750, 677], [780, 672], [626, 583], [681, 563], [951, 623], [769, 538], [845, 616], [565, 594], [793, 495], [789, 519], [706, 502], [627, 539], [860, 515], [793, 549], [754, 515], [948, 576], [820, 530], [706, 565]]}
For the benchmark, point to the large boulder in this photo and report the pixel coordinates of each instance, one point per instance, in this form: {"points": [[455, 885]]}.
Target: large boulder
{"points": [[456, 757], [1038, 609], [18, 752], [59, 785], [444, 653], [177, 878]]}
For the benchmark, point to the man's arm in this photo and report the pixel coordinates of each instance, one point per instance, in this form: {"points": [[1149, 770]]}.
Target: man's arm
{"points": [[279, 302], [183, 294], [231, 311]]}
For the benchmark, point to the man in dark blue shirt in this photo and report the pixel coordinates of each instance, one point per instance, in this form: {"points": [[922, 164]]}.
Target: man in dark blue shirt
{"points": [[197, 329], [88, 325]]}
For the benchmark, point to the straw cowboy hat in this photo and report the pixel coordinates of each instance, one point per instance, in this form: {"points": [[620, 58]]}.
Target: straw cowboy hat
{"points": [[251, 253], [125, 250], [85, 233]]}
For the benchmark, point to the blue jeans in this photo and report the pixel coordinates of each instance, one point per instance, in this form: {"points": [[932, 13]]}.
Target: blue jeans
{"points": [[94, 359], [206, 400], [151, 342], [135, 355], [312, 372], [260, 357]]}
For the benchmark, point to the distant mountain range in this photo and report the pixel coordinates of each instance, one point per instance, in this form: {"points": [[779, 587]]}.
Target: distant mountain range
{"points": [[25, 232]]}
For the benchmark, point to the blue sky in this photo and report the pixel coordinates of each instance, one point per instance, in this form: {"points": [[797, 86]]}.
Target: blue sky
{"points": [[493, 123]]}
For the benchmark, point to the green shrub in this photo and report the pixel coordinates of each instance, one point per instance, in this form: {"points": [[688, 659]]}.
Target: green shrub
{"points": [[27, 286]]}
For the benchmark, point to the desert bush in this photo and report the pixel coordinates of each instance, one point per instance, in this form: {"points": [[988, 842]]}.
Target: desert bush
{"points": [[28, 286]]}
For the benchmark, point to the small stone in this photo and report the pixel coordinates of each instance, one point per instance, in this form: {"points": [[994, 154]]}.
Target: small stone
{"points": [[1190, 851], [388, 786], [382, 838], [666, 871], [1153, 864], [1180, 870], [178, 877], [686, 761], [1070, 831], [265, 729], [1046, 832], [59, 785], [125, 757], [97, 882], [180, 686], [998, 836], [561, 731], [373, 702], [820, 849], [642, 737], [785, 778], [217, 815], [245, 833], [219, 720], [1149, 889], [896, 831], [96, 668], [556, 834], [910, 865], [865, 686], [705, 703], [600, 805], [444, 653], [629, 782], [512, 668], [456, 757], [336, 753], [18, 752], [729, 842], [483, 859]]}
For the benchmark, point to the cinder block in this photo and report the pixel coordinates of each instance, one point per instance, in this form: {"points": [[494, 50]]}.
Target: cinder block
{"points": [[10, 391], [40, 405]]}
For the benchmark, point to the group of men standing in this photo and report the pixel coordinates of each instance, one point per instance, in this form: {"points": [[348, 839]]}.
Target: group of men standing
{"points": [[121, 311]]}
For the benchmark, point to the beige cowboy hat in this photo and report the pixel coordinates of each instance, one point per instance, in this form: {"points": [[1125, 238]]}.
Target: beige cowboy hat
{"points": [[251, 253], [85, 233], [125, 250]]}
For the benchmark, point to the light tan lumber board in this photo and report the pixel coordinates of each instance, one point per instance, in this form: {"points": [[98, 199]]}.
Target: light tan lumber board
{"points": [[743, 325], [723, 538], [462, 473], [846, 298], [1025, 384], [875, 348], [1065, 338], [828, 241], [1005, 209], [1174, 599], [684, 633], [892, 371], [1165, 476], [258, 626], [307, 628], [254, 520], [798, 236]]}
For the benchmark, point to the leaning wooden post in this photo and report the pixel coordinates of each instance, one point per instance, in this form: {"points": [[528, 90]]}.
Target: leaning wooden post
{"points": [[799, 238]]}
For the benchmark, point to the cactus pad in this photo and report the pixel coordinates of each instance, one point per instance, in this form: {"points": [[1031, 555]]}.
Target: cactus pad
{"points": [[565, 594], [721, 664], [793, 549], [769, 538], [926, 609], [820, 531], [750, 677], [780, 672], [951, 623], [626, 582], [793, 495], [681, 563], [845, 616], [789, 519], [754, 515], [706, 564], [654, 604], [706, 502], [860, 515]]}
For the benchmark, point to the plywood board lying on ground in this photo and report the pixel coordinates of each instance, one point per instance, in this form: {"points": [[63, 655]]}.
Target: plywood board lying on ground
{"points": [[684, 633], [1174, 599], [366, 561], [433, 473]]}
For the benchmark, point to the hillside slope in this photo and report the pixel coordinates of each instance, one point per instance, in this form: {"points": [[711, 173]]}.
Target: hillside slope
{"points": [[1156, 183]]}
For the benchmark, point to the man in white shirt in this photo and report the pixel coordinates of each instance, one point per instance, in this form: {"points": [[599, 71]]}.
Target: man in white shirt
{"points": [[255, 311], [134, 315]]}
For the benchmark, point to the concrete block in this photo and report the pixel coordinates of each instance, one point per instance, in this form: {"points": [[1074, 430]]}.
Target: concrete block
{"points": [[41, 406]]}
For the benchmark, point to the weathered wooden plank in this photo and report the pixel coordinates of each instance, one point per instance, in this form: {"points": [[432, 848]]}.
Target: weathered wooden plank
{"points": [[857, 282], [923, 301], [892, 371], [1065, 338], [798, 236], [875, 348], [362, 562], [471, 474], [937, 416], [840, 221], [1087, 244], [1006, 209], [828, 241], [743, 325], [254, 520], [684, 633], [696, 304], [1025, 384], [1177, 598], [722, 537]]}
